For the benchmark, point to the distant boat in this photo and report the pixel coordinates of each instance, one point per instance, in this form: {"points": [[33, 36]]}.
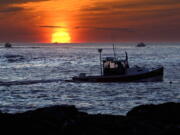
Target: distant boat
{"points": [[141, 45], [7, 45], [114, 69]]}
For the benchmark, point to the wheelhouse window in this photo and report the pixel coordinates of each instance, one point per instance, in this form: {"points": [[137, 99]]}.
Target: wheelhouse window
{"points": [[110, 64]]}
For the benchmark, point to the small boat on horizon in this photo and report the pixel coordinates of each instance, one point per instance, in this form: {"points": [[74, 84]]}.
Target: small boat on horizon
{"points": [[114, 69], [141, 44], [7, 45]]}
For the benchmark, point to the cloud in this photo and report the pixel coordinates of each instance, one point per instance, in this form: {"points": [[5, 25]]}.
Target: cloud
{"points": [[94, 28], [11, 9], [98, 8], [129, 11], [104, 6], [48, 26], [9, 2], [107, 28], [147, 3], [7, 6]]}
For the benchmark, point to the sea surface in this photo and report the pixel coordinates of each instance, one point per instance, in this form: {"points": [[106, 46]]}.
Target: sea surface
{"points": [[28, 62]]}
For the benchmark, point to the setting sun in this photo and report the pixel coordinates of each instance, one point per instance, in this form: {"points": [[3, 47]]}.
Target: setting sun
{"points": [[61, 37]]}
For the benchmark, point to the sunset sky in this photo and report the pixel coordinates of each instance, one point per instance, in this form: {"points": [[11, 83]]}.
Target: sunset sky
{"points": [[89, 20]]}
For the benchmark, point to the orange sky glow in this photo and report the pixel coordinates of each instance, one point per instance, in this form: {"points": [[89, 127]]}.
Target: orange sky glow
{"points": [[68, 21]]}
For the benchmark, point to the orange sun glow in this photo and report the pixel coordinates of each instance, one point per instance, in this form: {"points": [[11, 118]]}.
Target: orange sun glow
{"points": [[61, 37]]}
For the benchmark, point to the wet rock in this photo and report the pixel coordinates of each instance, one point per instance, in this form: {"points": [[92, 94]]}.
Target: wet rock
{"points": [[160, 119], [167, 112], [164, 118]]}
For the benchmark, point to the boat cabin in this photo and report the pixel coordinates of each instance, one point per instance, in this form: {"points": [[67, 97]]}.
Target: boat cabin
{"points": [[114, 66]]}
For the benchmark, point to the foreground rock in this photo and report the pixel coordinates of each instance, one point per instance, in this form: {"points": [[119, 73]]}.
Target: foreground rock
{"points": [[160, 119]]}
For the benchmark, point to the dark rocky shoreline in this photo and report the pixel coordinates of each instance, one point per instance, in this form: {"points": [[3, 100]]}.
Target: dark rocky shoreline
{"points": [[162, 119]]}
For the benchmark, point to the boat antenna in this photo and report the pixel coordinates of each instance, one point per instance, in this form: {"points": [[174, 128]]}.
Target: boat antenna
{"points": [[100, 51], [114, 51], [126, 56], [127, 64]]}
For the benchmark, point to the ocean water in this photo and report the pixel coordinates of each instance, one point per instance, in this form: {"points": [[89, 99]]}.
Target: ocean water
{"points": [[26, 62]]}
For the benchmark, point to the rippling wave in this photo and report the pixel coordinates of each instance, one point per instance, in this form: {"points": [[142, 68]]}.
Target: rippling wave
{"points": [[32, 76]]}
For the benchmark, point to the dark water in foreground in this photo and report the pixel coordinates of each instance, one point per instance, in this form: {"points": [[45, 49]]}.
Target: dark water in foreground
{"points": [[46, 62]]}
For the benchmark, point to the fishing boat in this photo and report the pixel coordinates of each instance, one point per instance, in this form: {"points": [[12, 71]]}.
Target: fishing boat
{"points": [[114, 69], [7, 45], [141, 45]]}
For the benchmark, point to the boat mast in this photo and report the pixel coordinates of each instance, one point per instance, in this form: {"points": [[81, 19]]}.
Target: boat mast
{"points": [[100, 51], [126, 56], [114, 51]]}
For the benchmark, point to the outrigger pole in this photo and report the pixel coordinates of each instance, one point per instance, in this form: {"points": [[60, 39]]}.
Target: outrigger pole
{"points": [[100, 51]]}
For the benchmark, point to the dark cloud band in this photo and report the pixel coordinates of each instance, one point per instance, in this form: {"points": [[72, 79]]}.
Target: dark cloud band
{"points": [[11, 9], [9, 2], [134, 4], [94, 28], [48, 26]]}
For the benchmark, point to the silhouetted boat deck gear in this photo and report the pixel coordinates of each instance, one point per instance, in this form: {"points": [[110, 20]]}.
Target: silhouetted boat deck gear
{"points": [[117, 70], [114, 66]]}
